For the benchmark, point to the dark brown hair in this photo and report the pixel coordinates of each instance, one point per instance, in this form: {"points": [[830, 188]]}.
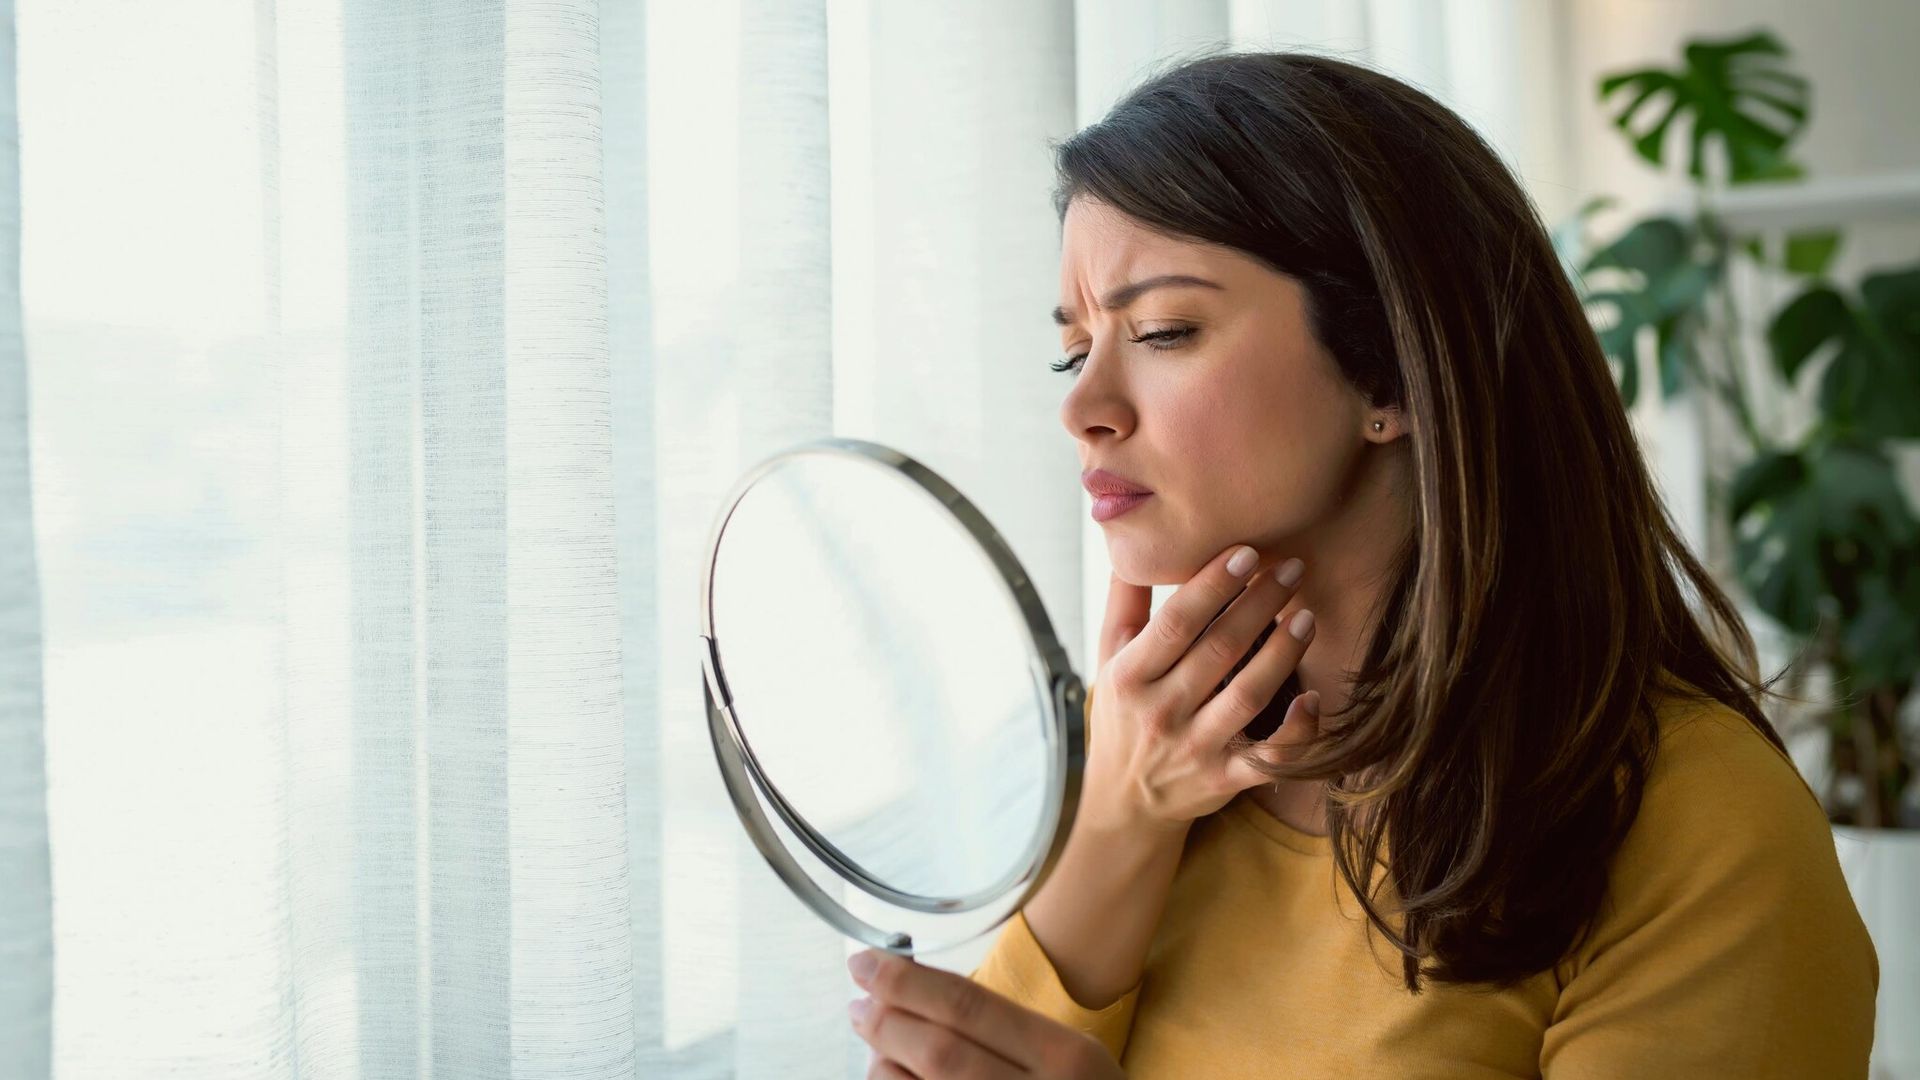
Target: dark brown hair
{"points": [[1502, 727]]}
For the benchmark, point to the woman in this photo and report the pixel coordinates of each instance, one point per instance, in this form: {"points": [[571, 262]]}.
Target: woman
{"points": [[1523, 814]]}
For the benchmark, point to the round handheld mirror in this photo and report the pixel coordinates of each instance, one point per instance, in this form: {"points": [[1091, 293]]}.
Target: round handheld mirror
{"points": [[895, 721]]}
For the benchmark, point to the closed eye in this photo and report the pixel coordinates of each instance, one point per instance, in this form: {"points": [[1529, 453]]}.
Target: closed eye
{"points": [[1158, 339]]}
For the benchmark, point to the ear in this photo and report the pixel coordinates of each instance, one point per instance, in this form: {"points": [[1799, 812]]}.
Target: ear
{"points": [[1385, 424]]}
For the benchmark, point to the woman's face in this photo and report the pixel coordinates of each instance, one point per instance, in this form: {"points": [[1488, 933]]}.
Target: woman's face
{"points": [[1240, 423]]}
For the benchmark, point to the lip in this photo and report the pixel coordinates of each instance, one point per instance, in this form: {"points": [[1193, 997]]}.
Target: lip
{"points": [[1108, 507], [1100, 482]]}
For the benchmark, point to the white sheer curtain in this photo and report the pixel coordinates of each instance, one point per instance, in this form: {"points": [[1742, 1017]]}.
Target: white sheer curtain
{"points": [[370, 372], [26, 908]]}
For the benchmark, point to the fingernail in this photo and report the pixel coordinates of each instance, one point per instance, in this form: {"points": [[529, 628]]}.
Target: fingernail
{"points": [[1302, 624], [861, 964], [1242, 560], [858, 1010], [1290, 572], [1310, 701]]}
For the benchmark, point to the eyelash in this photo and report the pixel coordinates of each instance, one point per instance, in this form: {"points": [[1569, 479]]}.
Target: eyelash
{"points": [[1072, 363]]}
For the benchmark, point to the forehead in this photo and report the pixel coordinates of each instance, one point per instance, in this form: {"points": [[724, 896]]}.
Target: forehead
{"points": [[1103, 249], [1095, 237]]}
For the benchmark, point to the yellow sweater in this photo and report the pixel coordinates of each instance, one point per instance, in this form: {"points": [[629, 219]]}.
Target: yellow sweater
{"points": [[1730, 947]]}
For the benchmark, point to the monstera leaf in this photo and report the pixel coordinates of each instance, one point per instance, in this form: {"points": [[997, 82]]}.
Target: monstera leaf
{"points": [[1826, 523], [1872, 387], [1808, 253], [1737, 91], [1885, 639], [1661, 285]]}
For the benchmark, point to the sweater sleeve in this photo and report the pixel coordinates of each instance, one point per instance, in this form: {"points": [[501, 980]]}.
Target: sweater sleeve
{"points": [[1728, 944], [1016, 967]]}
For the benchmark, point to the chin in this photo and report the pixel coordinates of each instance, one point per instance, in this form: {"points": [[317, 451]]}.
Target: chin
{"points": [[1137, 561]]}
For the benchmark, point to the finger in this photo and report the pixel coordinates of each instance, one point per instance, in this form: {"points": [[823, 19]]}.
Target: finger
{"points": [[1253, 688], [1224, 646], [1013, 1033], [931, 1050], [1296, 731], [882, 1069], [1186, 614], [1129, 607]]}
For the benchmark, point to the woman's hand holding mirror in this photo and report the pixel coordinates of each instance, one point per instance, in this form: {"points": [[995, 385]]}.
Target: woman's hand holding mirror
{"points": [[925, 1023]]}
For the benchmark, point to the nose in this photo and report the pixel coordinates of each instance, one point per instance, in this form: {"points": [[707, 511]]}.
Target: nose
{"points": [[1097, 402]]}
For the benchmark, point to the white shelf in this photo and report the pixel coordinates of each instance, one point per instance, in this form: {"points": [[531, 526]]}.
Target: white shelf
{"points": [[1835, 201]]}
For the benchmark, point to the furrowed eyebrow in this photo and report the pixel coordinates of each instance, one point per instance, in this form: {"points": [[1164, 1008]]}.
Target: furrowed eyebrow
{"points": [[1126, 294]]}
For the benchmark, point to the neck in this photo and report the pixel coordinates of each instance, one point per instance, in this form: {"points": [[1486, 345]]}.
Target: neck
{"points": [[1349, 557]]}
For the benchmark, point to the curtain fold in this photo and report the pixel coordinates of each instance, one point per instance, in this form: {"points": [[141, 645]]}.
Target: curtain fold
{"points": [[792, 980], [381, 893], [489, 890], [26, 886], [623, 75]]}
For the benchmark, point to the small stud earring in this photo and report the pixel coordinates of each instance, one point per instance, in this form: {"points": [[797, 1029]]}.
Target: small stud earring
{"points": [[1379, 425]]}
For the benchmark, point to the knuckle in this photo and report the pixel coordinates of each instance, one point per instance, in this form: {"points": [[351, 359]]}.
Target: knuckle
{"points": [[1172, 630], [1223, 649], [885, 981], [945, 1054], [968, 1003], [1238, 701]]}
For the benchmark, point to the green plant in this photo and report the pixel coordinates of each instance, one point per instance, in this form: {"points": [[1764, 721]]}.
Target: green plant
{"points": [[1825, 540]]}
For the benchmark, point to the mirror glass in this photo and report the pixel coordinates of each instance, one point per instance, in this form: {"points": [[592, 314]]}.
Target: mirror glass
{"points": [[884, 682]]}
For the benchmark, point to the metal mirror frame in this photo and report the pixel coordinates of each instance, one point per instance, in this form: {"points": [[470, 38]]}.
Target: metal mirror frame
{"points": [[741, 772]]}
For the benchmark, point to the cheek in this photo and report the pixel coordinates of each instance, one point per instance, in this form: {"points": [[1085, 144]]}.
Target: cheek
{"points": [[1262, 450]]}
